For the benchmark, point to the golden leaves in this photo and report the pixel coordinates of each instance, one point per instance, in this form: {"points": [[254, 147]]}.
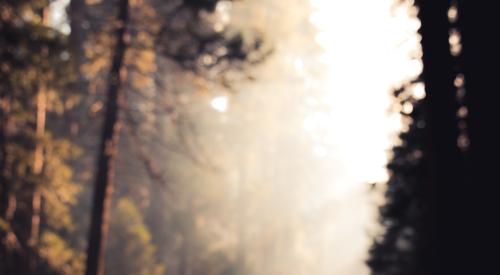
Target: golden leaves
{"points": [[59, 254], [143, 60], [141, 68]]}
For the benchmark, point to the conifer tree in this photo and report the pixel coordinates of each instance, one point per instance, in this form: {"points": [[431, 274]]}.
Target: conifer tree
{"points": [[36, 186]]}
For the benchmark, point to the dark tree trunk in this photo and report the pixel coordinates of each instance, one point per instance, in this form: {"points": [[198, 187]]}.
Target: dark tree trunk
{"points": [[439, 246], [107, 152], [7, 200], [77, 14], [478, 21]]}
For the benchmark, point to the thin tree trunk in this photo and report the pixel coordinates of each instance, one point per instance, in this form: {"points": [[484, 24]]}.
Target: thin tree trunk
{"points": [[38, 159], [38, 163], [7, 199], [107, 152], [77, 14]]}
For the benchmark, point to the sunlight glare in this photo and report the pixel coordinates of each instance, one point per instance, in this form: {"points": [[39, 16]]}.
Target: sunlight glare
{"points": [[220, 103], [363, 60], [58, 18]]}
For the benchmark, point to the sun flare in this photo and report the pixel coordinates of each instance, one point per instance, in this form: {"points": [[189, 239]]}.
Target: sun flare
{"points": [[367, 52]]}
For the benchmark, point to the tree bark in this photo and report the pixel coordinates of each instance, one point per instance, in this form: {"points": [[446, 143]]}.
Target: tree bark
{"points": [[77, 14], [107, 151], [38, 161], [478, 21], [438, 246], [38, 158], [41, 107], [7, 199]]}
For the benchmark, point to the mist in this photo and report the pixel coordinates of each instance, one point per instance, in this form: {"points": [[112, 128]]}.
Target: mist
{"points": [[280, 171], [239, 137]]}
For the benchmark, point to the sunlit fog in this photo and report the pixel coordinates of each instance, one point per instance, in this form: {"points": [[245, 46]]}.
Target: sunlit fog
{"points": [[253, 136], [275, 170]]}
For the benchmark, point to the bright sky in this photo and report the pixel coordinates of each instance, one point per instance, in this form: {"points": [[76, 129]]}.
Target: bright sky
{"points": [[367, 51], [367, 46]]}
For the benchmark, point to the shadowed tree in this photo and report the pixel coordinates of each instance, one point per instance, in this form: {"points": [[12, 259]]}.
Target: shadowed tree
{"points": [[108, 149], [398, 250], [428, 164], [454, 226], [446, 163], [36, 187], [477, 200]]}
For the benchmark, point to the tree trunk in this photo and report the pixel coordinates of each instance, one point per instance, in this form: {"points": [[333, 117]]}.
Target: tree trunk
{"points": [[7, 199], [38, 159], [438, 247], [107, 152], [478, 21], [77, 14]]}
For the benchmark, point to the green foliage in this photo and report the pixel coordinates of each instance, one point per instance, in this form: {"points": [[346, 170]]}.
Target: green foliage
{"points": [[59, 255], [130, 250], [59, 190], [34, 57]]}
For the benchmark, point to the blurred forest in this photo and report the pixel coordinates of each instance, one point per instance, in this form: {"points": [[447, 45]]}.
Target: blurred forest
{"points": [[439, 209], [127, 146], [129, 84]]}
